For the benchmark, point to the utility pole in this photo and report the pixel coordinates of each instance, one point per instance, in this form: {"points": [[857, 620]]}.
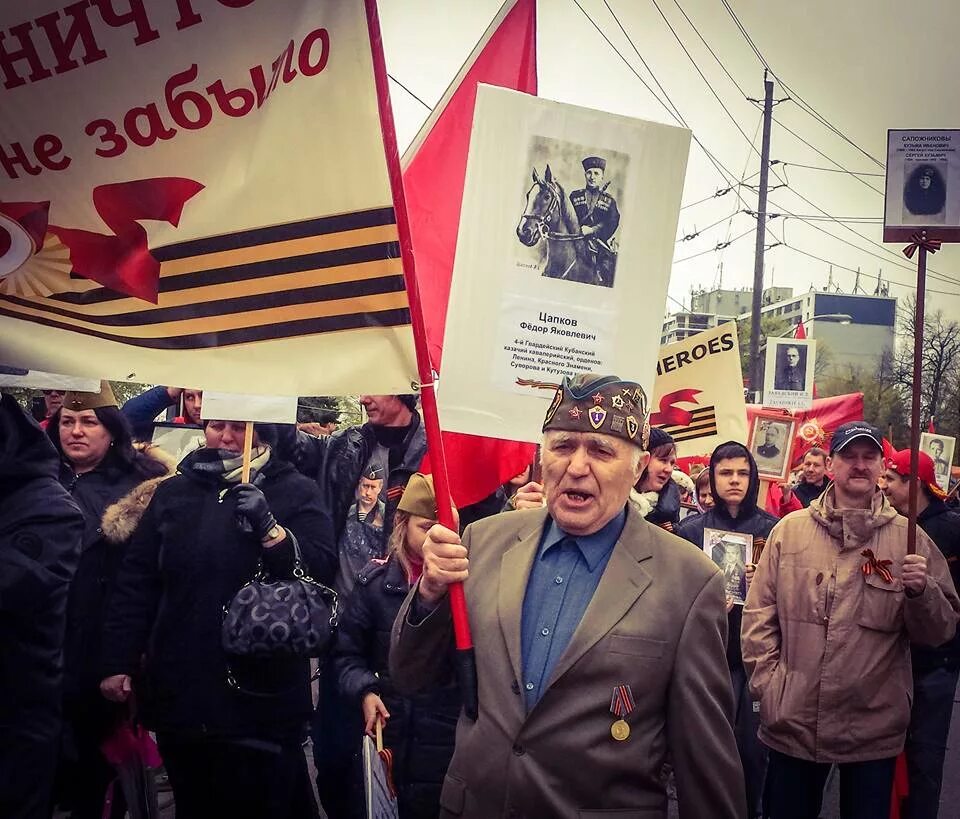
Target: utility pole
{"points": [[755, 366]]}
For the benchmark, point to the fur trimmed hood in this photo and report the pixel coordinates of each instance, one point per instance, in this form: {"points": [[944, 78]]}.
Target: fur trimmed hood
{"points": [[121, 518]]}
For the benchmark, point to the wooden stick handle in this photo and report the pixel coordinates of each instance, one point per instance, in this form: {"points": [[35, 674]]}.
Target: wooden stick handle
{"points": [[247, 450]]}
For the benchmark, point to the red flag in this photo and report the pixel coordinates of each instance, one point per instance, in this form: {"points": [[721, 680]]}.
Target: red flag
{"points": [[816, 425], [889, 450], [930, 427], [434, 166], [800, 332]]}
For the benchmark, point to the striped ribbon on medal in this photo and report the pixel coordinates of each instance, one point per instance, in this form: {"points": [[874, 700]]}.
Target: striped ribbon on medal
{"points": [[622, 702]]}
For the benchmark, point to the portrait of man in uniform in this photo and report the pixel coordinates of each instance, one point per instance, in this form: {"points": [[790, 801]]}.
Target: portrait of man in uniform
{"points": [[770, 443], [791, 368], [599, 219], [940, 449]]}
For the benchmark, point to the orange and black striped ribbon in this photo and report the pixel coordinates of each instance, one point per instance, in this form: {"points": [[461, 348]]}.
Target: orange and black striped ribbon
{"points": [[879, 566], [622, 702]]}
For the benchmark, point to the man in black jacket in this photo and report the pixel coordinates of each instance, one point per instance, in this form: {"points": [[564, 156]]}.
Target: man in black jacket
{"points": [[40, 531], [814, 480], [735, 485], [935, 670]]}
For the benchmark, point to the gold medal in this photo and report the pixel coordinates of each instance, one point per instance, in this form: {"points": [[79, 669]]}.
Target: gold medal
{"points": [[620, 730]]}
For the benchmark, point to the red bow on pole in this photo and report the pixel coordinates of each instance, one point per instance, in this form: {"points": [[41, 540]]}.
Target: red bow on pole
{"points": [[918, 240], [879, 566]]}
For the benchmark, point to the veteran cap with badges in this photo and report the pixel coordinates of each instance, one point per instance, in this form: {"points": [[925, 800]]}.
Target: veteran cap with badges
{"points": [[600, 403], [79, 401]]}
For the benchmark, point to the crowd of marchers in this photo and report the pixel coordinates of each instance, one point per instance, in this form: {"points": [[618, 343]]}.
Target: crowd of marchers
{"points": [[640, 634]]}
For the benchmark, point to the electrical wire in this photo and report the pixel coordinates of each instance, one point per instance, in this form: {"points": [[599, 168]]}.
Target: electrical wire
{"points": [[712, 52], [425, 105], [696, 233], [724, 172], [828, 170], [746, 36], [720, 246]]}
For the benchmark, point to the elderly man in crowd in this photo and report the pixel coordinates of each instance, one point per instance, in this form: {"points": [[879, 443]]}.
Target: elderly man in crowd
{"points": [[599, 638], [827, 628], [935, 670]]}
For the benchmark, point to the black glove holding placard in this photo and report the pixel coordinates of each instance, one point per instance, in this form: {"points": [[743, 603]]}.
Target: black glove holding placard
{"points": [[253, 511]]}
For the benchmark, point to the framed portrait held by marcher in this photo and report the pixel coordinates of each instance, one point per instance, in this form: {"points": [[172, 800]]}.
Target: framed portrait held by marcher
{"points": [[771, 441], [731, 551]]}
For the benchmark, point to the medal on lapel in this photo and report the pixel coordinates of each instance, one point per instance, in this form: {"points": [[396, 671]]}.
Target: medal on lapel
{"points": [[621, 704]]}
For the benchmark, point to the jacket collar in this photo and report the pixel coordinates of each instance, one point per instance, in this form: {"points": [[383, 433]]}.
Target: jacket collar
{"points": [[852, 527]]}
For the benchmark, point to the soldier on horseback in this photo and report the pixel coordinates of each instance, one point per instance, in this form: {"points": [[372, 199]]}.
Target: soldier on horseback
{"points": [[599, 219]]}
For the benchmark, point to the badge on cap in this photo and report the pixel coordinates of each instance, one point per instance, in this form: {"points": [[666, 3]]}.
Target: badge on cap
{"points": [[597, 416], [633, 426]]}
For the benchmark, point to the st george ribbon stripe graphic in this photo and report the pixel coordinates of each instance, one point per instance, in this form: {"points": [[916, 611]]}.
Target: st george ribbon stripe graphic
{"points": [[703, 422], [322, 275]]}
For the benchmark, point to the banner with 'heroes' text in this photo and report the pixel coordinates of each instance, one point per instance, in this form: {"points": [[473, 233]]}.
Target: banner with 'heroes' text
{"points": [[195, 192], [698, 393]]}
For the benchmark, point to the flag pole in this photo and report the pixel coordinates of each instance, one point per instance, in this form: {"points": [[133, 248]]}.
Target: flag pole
{"points": [[465, 660]]}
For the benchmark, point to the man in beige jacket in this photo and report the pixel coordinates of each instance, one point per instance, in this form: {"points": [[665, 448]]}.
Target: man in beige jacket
{"points": [[599, 639], [827, 627]]}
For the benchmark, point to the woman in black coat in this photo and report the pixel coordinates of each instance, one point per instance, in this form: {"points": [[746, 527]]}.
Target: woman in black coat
{"points": [[655, 494], [420, 731], [230, 748], [98, 466]]}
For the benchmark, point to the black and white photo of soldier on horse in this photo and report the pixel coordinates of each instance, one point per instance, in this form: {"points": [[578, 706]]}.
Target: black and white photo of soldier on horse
{"points": [[580, 230]]}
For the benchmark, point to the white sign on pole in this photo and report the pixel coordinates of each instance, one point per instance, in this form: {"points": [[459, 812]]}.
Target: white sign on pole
{"points": [[923, 184], [788, 373], [566, 239], [230, 406]]}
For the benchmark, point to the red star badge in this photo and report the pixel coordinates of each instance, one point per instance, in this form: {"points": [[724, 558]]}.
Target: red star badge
{"points": [[597, 398], [575, 412]]}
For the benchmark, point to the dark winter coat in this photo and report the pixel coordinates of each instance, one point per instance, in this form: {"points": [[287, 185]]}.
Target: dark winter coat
{"points": [[665, 513], [808, 492], [943, 527], [421, 729], [100, 559], [40, 532], [337, 461], [186, 560], [750, 520]]}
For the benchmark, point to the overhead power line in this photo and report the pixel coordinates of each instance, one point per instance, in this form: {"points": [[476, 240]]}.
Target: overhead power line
{"points": [[425, 105], [719, 246]]}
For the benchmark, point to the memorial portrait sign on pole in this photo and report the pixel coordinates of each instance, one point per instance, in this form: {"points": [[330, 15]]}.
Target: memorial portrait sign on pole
{"points": [[563, 257]]}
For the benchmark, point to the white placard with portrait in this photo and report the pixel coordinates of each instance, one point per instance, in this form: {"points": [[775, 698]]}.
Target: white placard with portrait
{"points": [[563, 257], [923, 184], [788, 373], [940, 448]]}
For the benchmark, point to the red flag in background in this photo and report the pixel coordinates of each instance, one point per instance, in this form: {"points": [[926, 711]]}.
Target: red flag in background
{"points": [[816, 425], [434, 167], [435, 164], [931, 428]]}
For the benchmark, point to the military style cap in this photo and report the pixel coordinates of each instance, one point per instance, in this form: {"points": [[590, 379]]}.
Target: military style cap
{"points": [[373, 473], [600, 403], [79, 401], [418, 497], [594, 162]]}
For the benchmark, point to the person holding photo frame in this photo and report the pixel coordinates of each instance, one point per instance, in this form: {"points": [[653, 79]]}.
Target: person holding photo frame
{"points": [[735, 486]]}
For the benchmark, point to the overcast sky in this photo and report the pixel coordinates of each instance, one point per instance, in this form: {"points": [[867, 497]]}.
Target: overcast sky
{"points": [[863, 65]]}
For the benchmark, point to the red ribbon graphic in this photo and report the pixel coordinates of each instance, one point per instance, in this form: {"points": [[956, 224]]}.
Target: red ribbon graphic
{"points": [[31, 216], [918, 240], [879, 566], [122, 261], [671, 415]]}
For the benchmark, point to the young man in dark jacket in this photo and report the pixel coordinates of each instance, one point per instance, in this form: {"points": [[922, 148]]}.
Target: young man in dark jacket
{"points": [[935, 670], [735, 485], [40, 531]]}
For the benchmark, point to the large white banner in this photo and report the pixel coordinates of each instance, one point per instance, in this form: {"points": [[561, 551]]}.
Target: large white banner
{"points": [[196, 193], [566, 239]]}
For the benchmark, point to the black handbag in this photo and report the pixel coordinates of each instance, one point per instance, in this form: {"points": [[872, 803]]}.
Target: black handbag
{"points": [[271, 617]]}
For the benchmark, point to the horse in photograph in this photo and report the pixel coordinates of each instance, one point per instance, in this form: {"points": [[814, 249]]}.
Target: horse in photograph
{"points": [[548, 215]]}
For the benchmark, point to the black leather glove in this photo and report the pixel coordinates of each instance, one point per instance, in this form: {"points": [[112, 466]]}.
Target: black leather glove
{"points": [[253, 511]]}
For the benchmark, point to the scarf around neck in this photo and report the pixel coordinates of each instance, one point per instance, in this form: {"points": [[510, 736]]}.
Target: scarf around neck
{"points": [[227, 466]]}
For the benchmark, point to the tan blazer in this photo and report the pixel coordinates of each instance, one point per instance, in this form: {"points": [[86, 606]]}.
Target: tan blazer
{"points": [[657, 622]]}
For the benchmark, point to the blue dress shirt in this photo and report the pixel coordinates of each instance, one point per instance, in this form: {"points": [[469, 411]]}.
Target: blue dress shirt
{"points": [[565, 574]]}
